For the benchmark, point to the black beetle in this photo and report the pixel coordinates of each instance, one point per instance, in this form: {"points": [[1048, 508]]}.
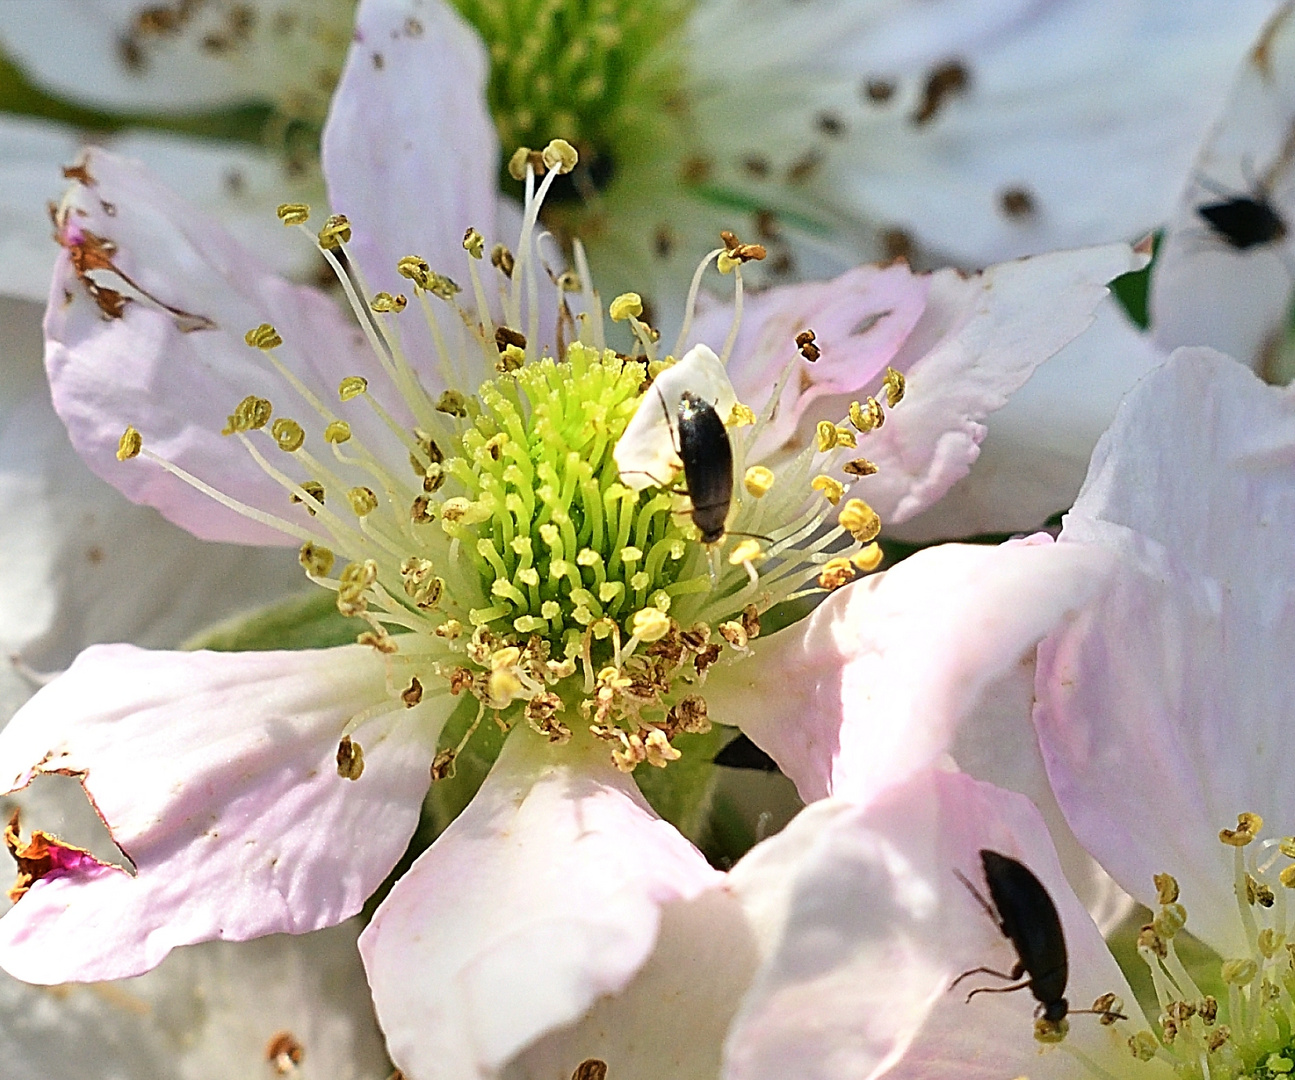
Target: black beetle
{"points": [[1025, 913], [1245, 221], [707, 458]]}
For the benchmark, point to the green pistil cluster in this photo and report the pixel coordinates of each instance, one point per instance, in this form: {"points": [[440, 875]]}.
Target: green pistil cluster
{"points": [[536, 504], [597, 73]]}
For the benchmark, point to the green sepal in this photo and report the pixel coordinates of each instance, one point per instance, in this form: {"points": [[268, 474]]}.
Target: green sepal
{"points": [[307, 621]]}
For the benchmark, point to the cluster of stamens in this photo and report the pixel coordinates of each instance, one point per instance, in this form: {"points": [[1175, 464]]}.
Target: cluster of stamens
{"points": [[504, 558], [1251, 1033]]}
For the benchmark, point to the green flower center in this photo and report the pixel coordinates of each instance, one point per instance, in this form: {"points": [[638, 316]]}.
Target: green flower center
{"points": [[598, 73]]}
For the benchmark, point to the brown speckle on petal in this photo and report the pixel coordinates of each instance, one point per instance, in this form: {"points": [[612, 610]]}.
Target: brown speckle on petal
{"points": [[945, 81], [284, 1053], [1017, 202]]}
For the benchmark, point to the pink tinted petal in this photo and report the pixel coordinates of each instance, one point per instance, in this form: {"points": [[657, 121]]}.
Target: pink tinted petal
{"points": [[1205, 291], [544, 894], [977, 342], [216, 774], [1034, 458], [1164, 711], [859, 319], [410, 151], [177, 377], [77, 553], [874, 684], [865, 926]]}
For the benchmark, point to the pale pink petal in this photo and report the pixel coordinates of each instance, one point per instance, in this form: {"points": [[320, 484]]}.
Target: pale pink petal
{"points": [[177, 374], [1204, 291], [979, 339], [864, 927], [216, 774], [860, 321], [545, 894], [238, 184], [87, 566], [213, 55], [851, 699], [1164, 710], [1035, 454], [410, 151]]}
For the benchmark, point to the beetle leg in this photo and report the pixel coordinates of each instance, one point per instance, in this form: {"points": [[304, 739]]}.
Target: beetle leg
{"points": [[1017, 972], [998, 989]]}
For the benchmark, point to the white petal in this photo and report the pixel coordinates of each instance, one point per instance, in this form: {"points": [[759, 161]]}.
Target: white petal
{"points": [[1205, 291], [1164, 710], [410, 151], [1080, 104], [1035, 454], [543, 895], [864, 926], [210, 1012], [239, 185], [647, 451], [87, 566], [212, 55]]}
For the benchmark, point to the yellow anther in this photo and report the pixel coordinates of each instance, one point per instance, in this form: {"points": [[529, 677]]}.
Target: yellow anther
{"points": [[314, 489], [867, 416], [860, 520], [1144, 1045], [894, 383], [744, 551], [588, 557], [868, 558], [1109, 1008], [640, 581], [758, 480], [318, 561], [522, 156], [827, 436], [1218, 1038], [421, 512], [474, 243], [453, 403], [502, 260], [335, 233], [626, 306], [264, 336], [363, 501], [561, 155], [1149, 939], [630, 554], [288, 434], [650, 624], [385, 302], [129, 445], [1269, 942], [726, 263], [250, 414], [1258, 893], [845, 437], [1239, 972], [352, 387], [293, 213], [1248, 826], [658, 749], [350, 759], [511, 359], [831, 488], [741, 416], [835, 573], [1051, 1031], [859, 467], [1287, 877], [339, 431], [503, 686], [1170, 920], [416, 270], [1166, 888]]}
